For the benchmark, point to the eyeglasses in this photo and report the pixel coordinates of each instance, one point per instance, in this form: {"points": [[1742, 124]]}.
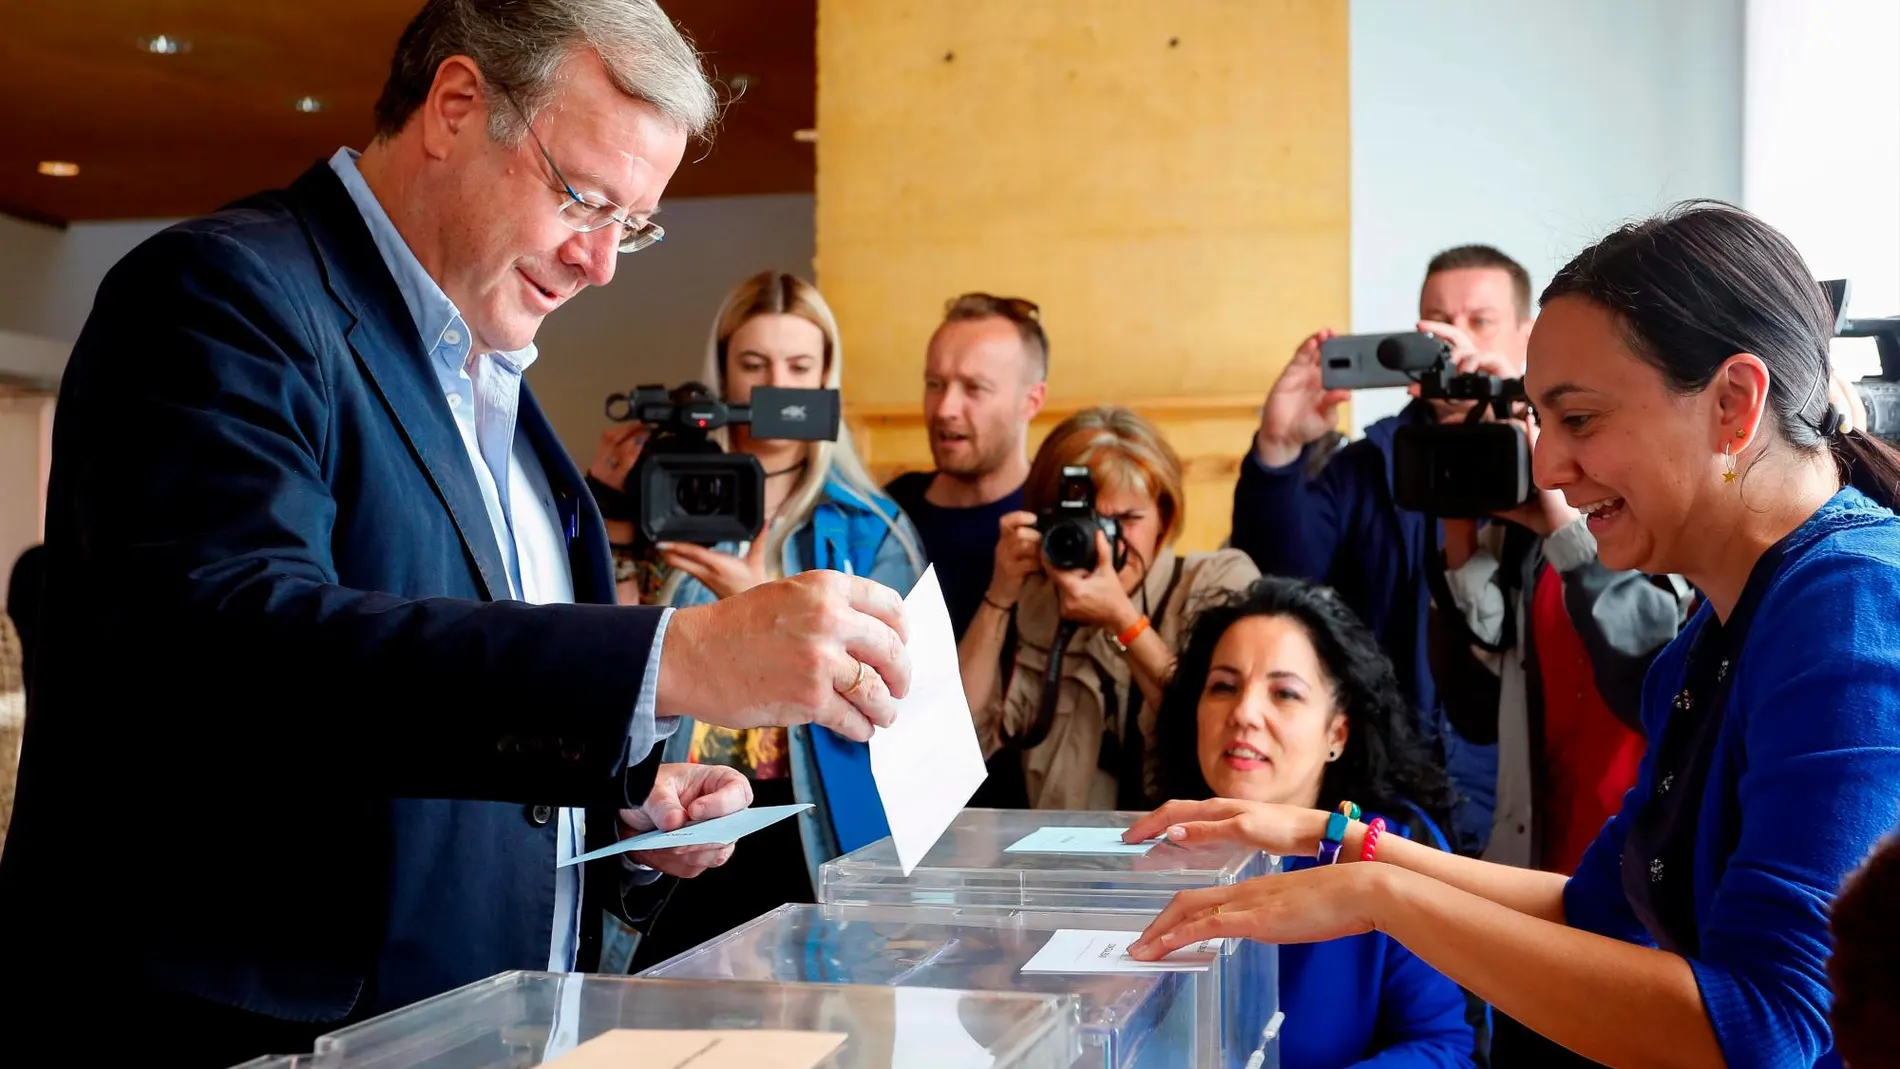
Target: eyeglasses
{"points": [[588, 212], [976, 305]]}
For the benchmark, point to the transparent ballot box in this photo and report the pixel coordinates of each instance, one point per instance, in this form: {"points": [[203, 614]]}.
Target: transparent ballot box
{"points": [[1216, 1018], [519, 1020], [972, 866]]}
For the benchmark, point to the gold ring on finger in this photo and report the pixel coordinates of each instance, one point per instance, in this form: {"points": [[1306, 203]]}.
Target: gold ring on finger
{"points": [[864, 674]]}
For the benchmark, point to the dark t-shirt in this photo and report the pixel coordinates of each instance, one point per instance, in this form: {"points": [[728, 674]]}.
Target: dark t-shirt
{"points": [[961, 543]]}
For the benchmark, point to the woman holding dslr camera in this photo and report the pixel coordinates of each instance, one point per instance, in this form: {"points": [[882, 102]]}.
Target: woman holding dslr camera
{"points": [[1680, 374], [1087, 726]]}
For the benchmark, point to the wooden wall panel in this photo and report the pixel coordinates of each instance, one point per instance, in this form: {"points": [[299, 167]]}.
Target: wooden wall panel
{"points": [[1169, 181]]}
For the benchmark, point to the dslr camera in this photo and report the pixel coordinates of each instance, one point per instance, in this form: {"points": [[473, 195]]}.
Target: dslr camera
{"points": [[684, 488], [1879, 394], [1457, 470], [1068, 527]]}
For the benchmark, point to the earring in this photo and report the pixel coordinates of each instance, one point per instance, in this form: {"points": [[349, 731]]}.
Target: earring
{"points": [[1729, 475], [1334, 756]]}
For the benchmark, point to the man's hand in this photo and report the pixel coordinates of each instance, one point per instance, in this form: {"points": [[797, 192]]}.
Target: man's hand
{"points": [[818, 648], [1299, 409], [1018, 556], [1842, 395], [1466, 357], [723, 573], [1095, 598], [683, 794]]}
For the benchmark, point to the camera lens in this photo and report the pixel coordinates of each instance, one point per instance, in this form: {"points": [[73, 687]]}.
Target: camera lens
{"points": [[1069, 544], [704, 495]]}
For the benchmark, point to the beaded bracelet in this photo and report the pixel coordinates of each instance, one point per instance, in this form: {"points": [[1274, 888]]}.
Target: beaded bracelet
{"points": [[1351, 809], [1373, 831], [1335, 837]]}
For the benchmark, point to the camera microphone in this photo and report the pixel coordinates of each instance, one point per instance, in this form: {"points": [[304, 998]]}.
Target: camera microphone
{"points": [[1412, 352]]}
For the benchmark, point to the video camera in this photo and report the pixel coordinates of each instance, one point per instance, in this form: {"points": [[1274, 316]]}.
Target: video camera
{"points": [[1068, 527], [684, 488], [1879, 394], [1457, 470]]}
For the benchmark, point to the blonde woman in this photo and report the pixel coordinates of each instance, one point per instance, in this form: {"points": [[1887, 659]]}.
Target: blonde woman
{"points": [[823, 511], [1087, 729]]}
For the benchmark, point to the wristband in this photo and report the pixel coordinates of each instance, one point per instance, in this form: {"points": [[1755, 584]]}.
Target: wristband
{"points": [[1329, 844], [1128, 637], [1351, 809], [1373, 830], [997, 605]]}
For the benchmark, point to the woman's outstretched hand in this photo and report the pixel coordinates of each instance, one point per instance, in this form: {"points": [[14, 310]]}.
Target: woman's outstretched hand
{"points": [[1309, 906], [1278, 829]]}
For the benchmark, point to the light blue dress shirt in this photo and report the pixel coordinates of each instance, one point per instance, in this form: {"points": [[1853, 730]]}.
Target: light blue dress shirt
{"points": [[483, 391]]}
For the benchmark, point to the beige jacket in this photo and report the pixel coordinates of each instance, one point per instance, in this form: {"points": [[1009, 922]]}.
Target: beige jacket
{"points": [[1062, 772]]}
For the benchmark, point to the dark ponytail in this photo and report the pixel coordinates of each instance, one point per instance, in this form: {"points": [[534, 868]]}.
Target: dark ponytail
{"points": [[1706, 280]]}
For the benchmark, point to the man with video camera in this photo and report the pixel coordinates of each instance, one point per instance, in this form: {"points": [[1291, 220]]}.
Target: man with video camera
{"points": [[1567, 726]]}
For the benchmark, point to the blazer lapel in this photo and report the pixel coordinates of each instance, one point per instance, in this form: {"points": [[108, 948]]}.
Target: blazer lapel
{"points": [[589, 559], [383, 338]]}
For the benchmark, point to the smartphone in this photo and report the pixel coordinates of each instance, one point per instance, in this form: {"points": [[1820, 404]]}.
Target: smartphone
{"points": [[1351, 362]]}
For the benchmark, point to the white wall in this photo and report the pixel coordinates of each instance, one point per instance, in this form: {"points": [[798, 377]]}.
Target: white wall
{"points": [[1821, 145], [1532, 125]]}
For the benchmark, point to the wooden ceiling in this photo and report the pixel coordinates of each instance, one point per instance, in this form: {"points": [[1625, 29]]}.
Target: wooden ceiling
{"points": [[157, 136]]}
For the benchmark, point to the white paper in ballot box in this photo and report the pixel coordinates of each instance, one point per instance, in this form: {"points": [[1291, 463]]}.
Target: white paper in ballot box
{"points": [[928, 763]]}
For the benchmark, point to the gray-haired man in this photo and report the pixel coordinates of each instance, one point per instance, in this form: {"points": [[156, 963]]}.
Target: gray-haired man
{"points": [[315, 713]]}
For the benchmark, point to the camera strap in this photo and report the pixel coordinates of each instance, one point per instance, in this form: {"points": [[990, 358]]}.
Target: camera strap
{"points": [[1051, 688], [1122, 746], [1449, 612]]}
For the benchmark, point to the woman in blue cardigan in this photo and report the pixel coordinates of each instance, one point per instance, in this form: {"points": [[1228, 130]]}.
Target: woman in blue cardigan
{"points": [[1282, 695], [1680, 374]]}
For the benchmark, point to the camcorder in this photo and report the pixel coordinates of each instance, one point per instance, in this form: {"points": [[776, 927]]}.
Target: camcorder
{"points": [[1068, 527], [684, 487], [1879, 394], [1464, 470]]}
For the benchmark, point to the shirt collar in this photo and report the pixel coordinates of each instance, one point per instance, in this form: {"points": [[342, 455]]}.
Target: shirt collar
{"points": [[438, 322]]}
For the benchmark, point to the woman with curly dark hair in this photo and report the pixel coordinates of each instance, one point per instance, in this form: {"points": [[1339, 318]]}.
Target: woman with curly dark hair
{"points": [[1282, 695]]}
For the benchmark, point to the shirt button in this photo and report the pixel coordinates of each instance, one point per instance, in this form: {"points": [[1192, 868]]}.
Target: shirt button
{"points": [[453, 337], [455, 400]]}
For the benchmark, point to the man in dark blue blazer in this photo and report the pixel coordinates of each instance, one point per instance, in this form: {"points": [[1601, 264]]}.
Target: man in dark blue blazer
{"points": [[330, 676]]}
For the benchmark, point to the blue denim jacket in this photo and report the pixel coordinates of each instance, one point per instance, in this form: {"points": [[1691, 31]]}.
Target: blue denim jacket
{"points": [[848, 532]]}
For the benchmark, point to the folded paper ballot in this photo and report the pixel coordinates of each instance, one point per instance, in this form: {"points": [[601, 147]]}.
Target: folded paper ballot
{"points": [[1080, 950], [719, 830], [1051, 840], [928, 763]]}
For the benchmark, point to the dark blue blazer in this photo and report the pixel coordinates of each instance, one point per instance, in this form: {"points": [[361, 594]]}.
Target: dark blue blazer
{"points": [[290, 749]]}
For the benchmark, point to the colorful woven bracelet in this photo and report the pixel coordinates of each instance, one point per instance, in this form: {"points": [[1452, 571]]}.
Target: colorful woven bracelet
{"points": [[1373, 830], [1351, 809], [1329, 844]]}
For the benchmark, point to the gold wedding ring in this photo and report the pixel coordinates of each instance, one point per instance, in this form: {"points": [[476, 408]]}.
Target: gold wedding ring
{"points": [[864, 673]]}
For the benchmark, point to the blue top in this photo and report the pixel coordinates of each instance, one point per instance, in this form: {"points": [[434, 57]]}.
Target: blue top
{"points": [[1342, 528], [1806, 779], [1365, 1000], [960, 542]]}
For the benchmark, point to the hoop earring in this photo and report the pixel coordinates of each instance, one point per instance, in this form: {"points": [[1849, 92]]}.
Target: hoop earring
{"points": [[1729, 475]]}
